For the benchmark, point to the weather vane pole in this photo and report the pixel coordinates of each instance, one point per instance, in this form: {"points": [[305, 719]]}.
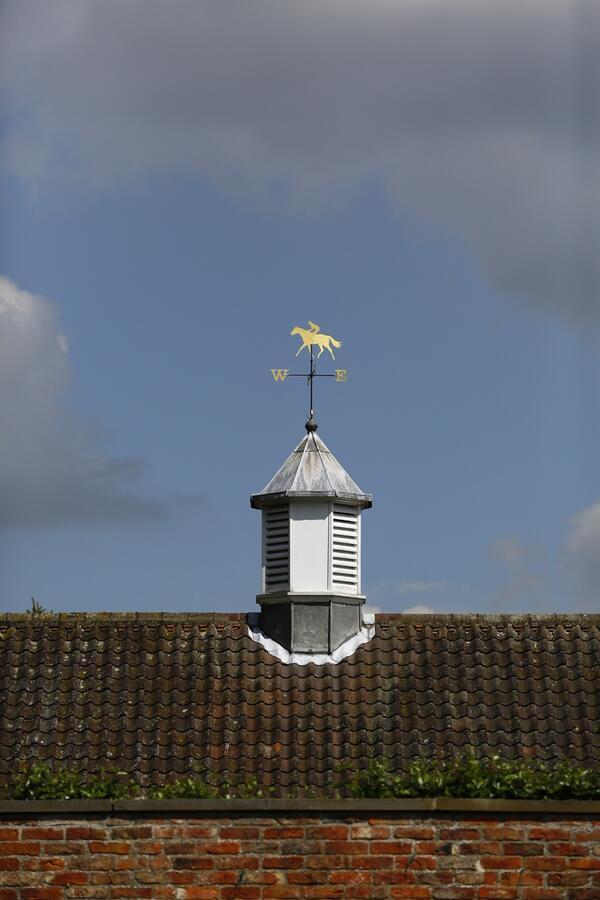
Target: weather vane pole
{"points": [[312, 337]]}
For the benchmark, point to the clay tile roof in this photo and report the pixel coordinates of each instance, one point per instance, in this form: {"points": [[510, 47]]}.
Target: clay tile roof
{"points": [[160, 695]]}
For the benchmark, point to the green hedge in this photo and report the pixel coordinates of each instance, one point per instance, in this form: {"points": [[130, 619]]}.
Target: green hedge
{"points": [[467, 776], [464, 776]]}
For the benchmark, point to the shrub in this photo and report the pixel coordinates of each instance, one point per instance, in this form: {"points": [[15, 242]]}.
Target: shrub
{"points": [[41, 782], [467, 776], [464, 776]]}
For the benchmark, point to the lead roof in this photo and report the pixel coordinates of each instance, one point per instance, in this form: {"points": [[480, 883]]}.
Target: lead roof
{"points": [[165, 695], [311, 470]]}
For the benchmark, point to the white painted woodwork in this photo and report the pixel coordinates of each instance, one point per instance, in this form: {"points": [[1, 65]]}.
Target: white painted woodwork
{"points": [[276, 548], [309, 542], [311, 545], [345, 575]]}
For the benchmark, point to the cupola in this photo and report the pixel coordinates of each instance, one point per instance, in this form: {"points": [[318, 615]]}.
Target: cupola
{"points": [[311, 594]]}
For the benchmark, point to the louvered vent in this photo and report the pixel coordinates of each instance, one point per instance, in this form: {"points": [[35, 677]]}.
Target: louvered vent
{"points": [[276, 524], [345, 548]]}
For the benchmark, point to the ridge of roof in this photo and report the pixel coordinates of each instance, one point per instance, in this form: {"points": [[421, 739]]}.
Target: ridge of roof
{"points": [[221, 618]]}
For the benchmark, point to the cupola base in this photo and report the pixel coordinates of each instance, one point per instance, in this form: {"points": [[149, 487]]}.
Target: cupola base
{"points": [[310, 622]]}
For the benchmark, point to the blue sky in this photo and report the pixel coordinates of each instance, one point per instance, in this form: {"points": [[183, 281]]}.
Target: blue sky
{"points": [[183, 184]]}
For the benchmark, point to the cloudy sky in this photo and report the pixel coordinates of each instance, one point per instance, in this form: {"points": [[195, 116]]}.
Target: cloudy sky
{"points": [[184, 182]]}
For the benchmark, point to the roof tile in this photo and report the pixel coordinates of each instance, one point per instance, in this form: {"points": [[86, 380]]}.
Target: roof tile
{"points": [[159, 695]]}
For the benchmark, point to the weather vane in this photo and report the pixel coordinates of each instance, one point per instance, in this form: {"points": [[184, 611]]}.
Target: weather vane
{"points": [[311, 338]]}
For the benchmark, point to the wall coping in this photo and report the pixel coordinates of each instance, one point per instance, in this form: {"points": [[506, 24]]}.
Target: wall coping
{"points": [[270, 806]]}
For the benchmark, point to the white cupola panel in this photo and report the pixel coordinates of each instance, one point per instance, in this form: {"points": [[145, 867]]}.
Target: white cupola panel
{"points": [[310, 545]]}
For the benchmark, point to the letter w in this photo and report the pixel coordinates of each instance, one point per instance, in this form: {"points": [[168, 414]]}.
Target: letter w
{"points": [[279, 374]]}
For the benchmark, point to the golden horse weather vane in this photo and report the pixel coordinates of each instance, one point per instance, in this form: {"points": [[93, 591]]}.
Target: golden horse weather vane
{"points": [[312, 338]]}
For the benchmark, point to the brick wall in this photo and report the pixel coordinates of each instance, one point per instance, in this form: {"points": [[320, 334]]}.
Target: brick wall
{"points": [[310, 855]]}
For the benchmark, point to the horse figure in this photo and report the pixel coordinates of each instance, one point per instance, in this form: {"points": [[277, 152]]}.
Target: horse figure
{"points": [[311, 336]]}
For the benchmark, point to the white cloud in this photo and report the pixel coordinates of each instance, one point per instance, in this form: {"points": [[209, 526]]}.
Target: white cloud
{"points": [[481, 117], [524, 574], [419, 610], [582, 549], [52, 471], [386, 594], [508, 550]]}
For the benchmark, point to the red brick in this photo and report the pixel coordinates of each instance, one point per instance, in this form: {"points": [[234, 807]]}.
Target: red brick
{"points": [[416, 862], [402, 876], [568, 878], [19, 848], [329, 832], [501, 862], [312, 877], [237, 862], [351, 877], [71, 878], [282, 862], [413, 832], [546, 863], [44, 834], [536, 893], [131, 833], [244, 833], [123, 862], [119, 847], [523, 848], [42, 893], [62, 847], [549, 833], [402, 847], [199, 831], [181, 877], [280, 892], [193, 862], [44, 863], [582, 863], [411, 892], [326, 892], [283, 833], [459, 833], [9, 864], [201, 893], [504, 832], [562, 848], [85, 833], [144, 848], [220, 847], [136, 893], [372, 862], [241, 892], [8, 894], [221, 876], [348, 848], [9, 834]]}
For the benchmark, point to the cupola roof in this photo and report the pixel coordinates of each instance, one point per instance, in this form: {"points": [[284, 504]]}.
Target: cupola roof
{"points": [[311, 470]]}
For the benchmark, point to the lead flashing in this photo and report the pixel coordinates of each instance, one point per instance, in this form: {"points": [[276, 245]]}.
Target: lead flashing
{"points": [[366, 633]]}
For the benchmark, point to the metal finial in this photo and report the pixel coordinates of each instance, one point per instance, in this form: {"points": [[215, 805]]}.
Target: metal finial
{"points": [[311, 425]]}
